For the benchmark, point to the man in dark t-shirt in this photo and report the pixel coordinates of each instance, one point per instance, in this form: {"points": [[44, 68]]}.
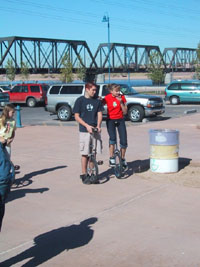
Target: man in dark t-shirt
{"points": [[88, 113]]}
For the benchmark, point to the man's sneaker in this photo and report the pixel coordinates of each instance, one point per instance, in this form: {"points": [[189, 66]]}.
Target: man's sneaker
{"points": [[85, 178], [112, 162], [124, 164]]}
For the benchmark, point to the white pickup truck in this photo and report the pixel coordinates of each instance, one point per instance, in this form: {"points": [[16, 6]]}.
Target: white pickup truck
{"points": [[4, 99], [60, 100]]}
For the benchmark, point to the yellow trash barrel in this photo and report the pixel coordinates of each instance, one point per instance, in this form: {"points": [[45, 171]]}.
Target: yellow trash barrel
{"points": [[164, 148]]}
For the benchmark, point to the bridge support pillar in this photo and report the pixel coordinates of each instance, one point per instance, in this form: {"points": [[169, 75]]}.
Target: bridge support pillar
{"points": [[168, 78], [100, 78]]}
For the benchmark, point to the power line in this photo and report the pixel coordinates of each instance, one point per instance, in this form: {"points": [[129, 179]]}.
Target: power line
{"points": [[64, 10], [151, 8], [87, 22], [141, 27]]}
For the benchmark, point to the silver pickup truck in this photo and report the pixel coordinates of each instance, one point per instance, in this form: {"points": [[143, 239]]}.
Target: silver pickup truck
{"points": [[60, 100]]}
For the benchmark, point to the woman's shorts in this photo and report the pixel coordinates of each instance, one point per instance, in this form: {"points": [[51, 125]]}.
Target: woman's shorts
{"points": [[86, 141]]}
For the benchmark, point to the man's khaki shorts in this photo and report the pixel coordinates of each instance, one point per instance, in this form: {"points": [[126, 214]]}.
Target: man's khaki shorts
{"points": [[86, 140]]}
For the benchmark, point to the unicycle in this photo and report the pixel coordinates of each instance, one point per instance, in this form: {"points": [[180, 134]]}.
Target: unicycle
{"points": [[118, 168], [93, 169]]}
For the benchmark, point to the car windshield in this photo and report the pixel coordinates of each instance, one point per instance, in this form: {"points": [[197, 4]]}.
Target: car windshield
{"points": [[5, 87], [127, 90]]}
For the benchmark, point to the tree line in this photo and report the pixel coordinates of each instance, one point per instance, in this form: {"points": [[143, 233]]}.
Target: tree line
{"points": [[66, 72]]}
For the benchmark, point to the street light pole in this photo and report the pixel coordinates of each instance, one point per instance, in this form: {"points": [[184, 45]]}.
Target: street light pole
{"points": [[107, 19], [129, 58]]}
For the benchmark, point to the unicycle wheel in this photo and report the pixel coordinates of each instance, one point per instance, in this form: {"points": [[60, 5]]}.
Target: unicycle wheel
{"points": [[118, 169], [93, 170]]}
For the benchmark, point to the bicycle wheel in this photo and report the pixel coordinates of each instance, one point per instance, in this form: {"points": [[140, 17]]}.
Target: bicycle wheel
{"points": [[93, 170], [118, 165]]}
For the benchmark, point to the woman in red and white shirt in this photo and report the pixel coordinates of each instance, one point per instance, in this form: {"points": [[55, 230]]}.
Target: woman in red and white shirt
{"points": [[116, 109]]}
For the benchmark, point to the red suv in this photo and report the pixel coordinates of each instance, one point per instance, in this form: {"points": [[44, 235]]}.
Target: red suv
{"points": [[29, 93]]}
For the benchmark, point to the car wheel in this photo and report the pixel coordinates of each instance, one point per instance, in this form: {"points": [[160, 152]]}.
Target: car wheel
{"points": [[136, 113], [31, 102], [64, 113], [174, 100]]}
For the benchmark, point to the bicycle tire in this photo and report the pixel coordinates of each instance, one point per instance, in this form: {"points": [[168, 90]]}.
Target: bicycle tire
{"points": [[118, 169], [94, 172]]}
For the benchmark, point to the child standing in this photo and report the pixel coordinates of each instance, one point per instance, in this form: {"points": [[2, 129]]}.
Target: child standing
{"points": [[7, 133], [7, 128], [7, 176], [116, 109]]}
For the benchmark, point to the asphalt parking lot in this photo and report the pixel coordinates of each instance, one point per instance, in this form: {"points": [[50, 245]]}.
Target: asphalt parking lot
{"points": [[38, 116]]}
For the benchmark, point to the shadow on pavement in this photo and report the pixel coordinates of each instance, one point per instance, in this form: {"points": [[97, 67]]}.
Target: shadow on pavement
{"points": [[139, 166], [51, 244], [26, 179], [22, 193], [56, 119], [183, 162], [158, 118], [105, 176], [136, 166]]}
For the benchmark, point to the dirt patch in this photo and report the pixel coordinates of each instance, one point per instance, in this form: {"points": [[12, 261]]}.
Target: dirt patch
{"points": [[188, 174]]}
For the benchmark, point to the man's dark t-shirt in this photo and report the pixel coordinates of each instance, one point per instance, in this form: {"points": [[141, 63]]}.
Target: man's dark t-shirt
{"points": [[87, 108]]}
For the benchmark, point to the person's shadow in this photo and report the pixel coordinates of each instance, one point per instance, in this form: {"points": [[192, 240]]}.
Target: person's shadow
{"points": [[50, 244], [27, 178], [140, 166], [22, 193], [135, 166]]}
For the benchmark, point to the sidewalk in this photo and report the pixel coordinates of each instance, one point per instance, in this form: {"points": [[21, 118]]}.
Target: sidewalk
{"points": [[148, 219]]}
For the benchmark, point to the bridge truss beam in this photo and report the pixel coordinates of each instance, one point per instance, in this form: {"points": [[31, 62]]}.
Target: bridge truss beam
{"points": [[180, 59], [44, 55], [126, 57]]}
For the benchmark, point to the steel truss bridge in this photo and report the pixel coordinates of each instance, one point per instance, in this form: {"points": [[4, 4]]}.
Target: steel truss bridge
{"points": [[43, 55]]}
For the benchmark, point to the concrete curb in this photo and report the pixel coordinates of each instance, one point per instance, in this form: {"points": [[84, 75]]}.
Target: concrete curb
{"points": [[190, 111]]}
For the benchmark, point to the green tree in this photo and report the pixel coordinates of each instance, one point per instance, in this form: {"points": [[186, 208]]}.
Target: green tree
{"points": [[155, 70], [197, 72], [24, 71], [198, 52], [81, 70], [197, 65], [10, 70], [67, 69]]}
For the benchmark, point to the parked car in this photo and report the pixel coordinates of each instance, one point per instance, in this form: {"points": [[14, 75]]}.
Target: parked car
{"points": [[183, 91], [60, 100], [4, 88], [29, 93]]}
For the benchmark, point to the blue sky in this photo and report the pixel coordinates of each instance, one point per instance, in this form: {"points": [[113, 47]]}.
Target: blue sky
{"points": [[172, 23]]}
